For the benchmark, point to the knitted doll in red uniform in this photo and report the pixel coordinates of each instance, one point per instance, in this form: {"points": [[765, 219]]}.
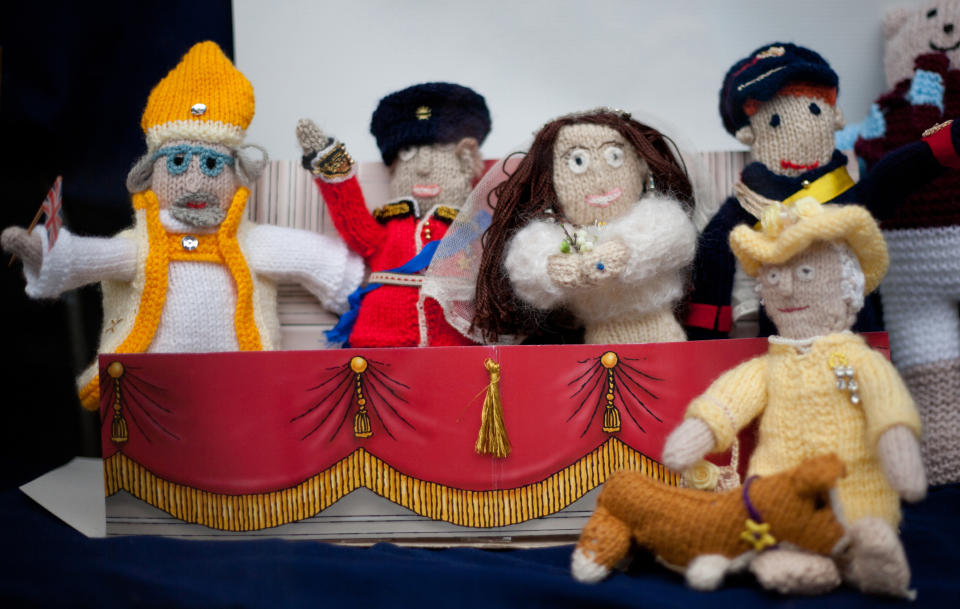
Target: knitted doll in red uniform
{"points": [[922, 229], [429, 136]]}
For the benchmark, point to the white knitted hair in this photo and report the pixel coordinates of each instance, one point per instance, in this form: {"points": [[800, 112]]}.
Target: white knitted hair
{"points": [[852, 277], [852, 282]]}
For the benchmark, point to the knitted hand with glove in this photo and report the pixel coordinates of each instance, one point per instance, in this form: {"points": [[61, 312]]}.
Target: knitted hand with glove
{"points": [[819, 388], [594, 219], [192, 274], [429, 136]]}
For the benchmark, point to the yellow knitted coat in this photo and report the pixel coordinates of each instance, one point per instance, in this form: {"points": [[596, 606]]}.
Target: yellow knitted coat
{"points": [[803, 414]]}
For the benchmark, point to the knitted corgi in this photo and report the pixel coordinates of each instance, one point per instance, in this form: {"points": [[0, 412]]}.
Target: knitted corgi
{"points": [[429, 136], [706, 535], [820, 388], [192, 274], [595, 218], [922, 226]]}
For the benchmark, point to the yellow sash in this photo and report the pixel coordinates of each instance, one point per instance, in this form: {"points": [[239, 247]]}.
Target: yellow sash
{"points": [[826, 188]]}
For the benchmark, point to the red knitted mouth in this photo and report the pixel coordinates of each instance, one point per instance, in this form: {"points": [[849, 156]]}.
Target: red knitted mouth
{"points": [[785, 164], [793, 309], [196, 204]]}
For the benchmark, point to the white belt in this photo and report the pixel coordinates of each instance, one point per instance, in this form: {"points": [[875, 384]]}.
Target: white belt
{"points": [[395, 279]]}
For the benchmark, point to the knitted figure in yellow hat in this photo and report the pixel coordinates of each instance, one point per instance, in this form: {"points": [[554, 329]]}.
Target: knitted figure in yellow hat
{"points": [[191, 274], [820, 388]]}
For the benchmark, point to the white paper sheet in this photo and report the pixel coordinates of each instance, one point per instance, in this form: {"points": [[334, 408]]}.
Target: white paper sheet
{"points": [[74, 494]]}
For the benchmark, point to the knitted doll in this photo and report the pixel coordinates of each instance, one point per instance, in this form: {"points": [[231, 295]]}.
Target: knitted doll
{"points": [[781, 102], [922, 227], [820, 388], [429, 135], [706, 535], [192, 274], [595, 218]]}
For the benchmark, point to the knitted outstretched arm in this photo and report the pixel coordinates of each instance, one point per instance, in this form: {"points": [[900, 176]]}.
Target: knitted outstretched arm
{"points": [[72, 262], [909, 168], [714, 418], [27, 246], [321, 264], [336, 178]]}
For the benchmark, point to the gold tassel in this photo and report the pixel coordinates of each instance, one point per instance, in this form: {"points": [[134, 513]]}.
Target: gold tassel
{"points": [[361, 424], [492, 439], [611, 419], [118, 428]]}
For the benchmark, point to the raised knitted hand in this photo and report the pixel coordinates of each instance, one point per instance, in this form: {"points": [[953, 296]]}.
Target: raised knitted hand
{"points": [[429, 135], [577, 226], [28, 247], [310, 137], [192, 274]]}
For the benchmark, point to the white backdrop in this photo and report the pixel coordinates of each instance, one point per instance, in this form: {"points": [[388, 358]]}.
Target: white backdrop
{"points": [[534, 59]]}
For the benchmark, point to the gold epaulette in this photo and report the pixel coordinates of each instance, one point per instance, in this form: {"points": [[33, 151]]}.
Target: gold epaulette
{"points": [[446, 214], [397, 209]]}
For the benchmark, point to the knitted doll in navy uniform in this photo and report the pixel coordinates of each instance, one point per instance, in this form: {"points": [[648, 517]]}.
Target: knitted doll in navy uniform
{"points": [[781, 101], [429, 136], [922, 228]]}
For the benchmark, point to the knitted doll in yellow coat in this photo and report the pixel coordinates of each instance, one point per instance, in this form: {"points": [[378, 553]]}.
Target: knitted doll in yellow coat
{"points": [[820, 388]]}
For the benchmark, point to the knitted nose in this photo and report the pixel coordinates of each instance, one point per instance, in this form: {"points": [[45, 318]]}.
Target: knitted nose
{"points": [[193, 179], [424, 162], [948, 28]]}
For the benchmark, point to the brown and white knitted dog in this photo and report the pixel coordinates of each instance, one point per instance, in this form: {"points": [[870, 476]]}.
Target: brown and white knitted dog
{"points": [[705, 534]]}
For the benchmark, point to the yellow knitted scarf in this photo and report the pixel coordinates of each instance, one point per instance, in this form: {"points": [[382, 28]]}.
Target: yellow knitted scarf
{"points": [[221, 247]]}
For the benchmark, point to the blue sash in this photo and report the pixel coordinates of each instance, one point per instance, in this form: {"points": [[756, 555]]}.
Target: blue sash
{"points": [[341, 332]]}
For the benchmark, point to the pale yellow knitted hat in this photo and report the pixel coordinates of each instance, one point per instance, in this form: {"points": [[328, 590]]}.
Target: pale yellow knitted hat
{"points": [[785, 231]]}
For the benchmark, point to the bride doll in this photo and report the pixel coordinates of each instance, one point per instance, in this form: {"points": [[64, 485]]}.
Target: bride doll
{"points": [[595, 219]]}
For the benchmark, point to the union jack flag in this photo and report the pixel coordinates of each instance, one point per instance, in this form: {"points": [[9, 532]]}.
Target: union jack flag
{"points": [[52, 208]]}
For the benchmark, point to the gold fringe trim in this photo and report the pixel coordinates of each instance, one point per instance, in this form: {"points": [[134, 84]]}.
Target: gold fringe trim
{"points": [[482, 509]]}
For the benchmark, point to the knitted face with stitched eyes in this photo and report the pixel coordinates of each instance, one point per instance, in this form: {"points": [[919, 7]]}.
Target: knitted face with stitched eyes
{"points": [[436, 173], [814, 293], [597, 174], [792, 132], [194, 181]]}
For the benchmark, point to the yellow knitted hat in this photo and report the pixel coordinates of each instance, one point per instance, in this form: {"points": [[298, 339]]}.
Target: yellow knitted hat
{"points": [[204, 98], [785, 231]]}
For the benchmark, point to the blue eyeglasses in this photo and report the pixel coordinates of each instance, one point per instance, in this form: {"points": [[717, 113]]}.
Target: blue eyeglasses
{"points": [[179, 157]]}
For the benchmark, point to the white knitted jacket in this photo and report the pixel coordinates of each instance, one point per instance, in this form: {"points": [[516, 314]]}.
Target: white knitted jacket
{"points": [[198, 312], [661, 240]]}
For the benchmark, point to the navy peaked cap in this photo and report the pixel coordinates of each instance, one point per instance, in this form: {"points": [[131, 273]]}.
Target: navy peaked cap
{"points": [[429, 113], [764, 72]]}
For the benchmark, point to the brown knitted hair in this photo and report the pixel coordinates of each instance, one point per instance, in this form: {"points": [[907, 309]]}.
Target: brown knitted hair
{"points": [[529, 194]]}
